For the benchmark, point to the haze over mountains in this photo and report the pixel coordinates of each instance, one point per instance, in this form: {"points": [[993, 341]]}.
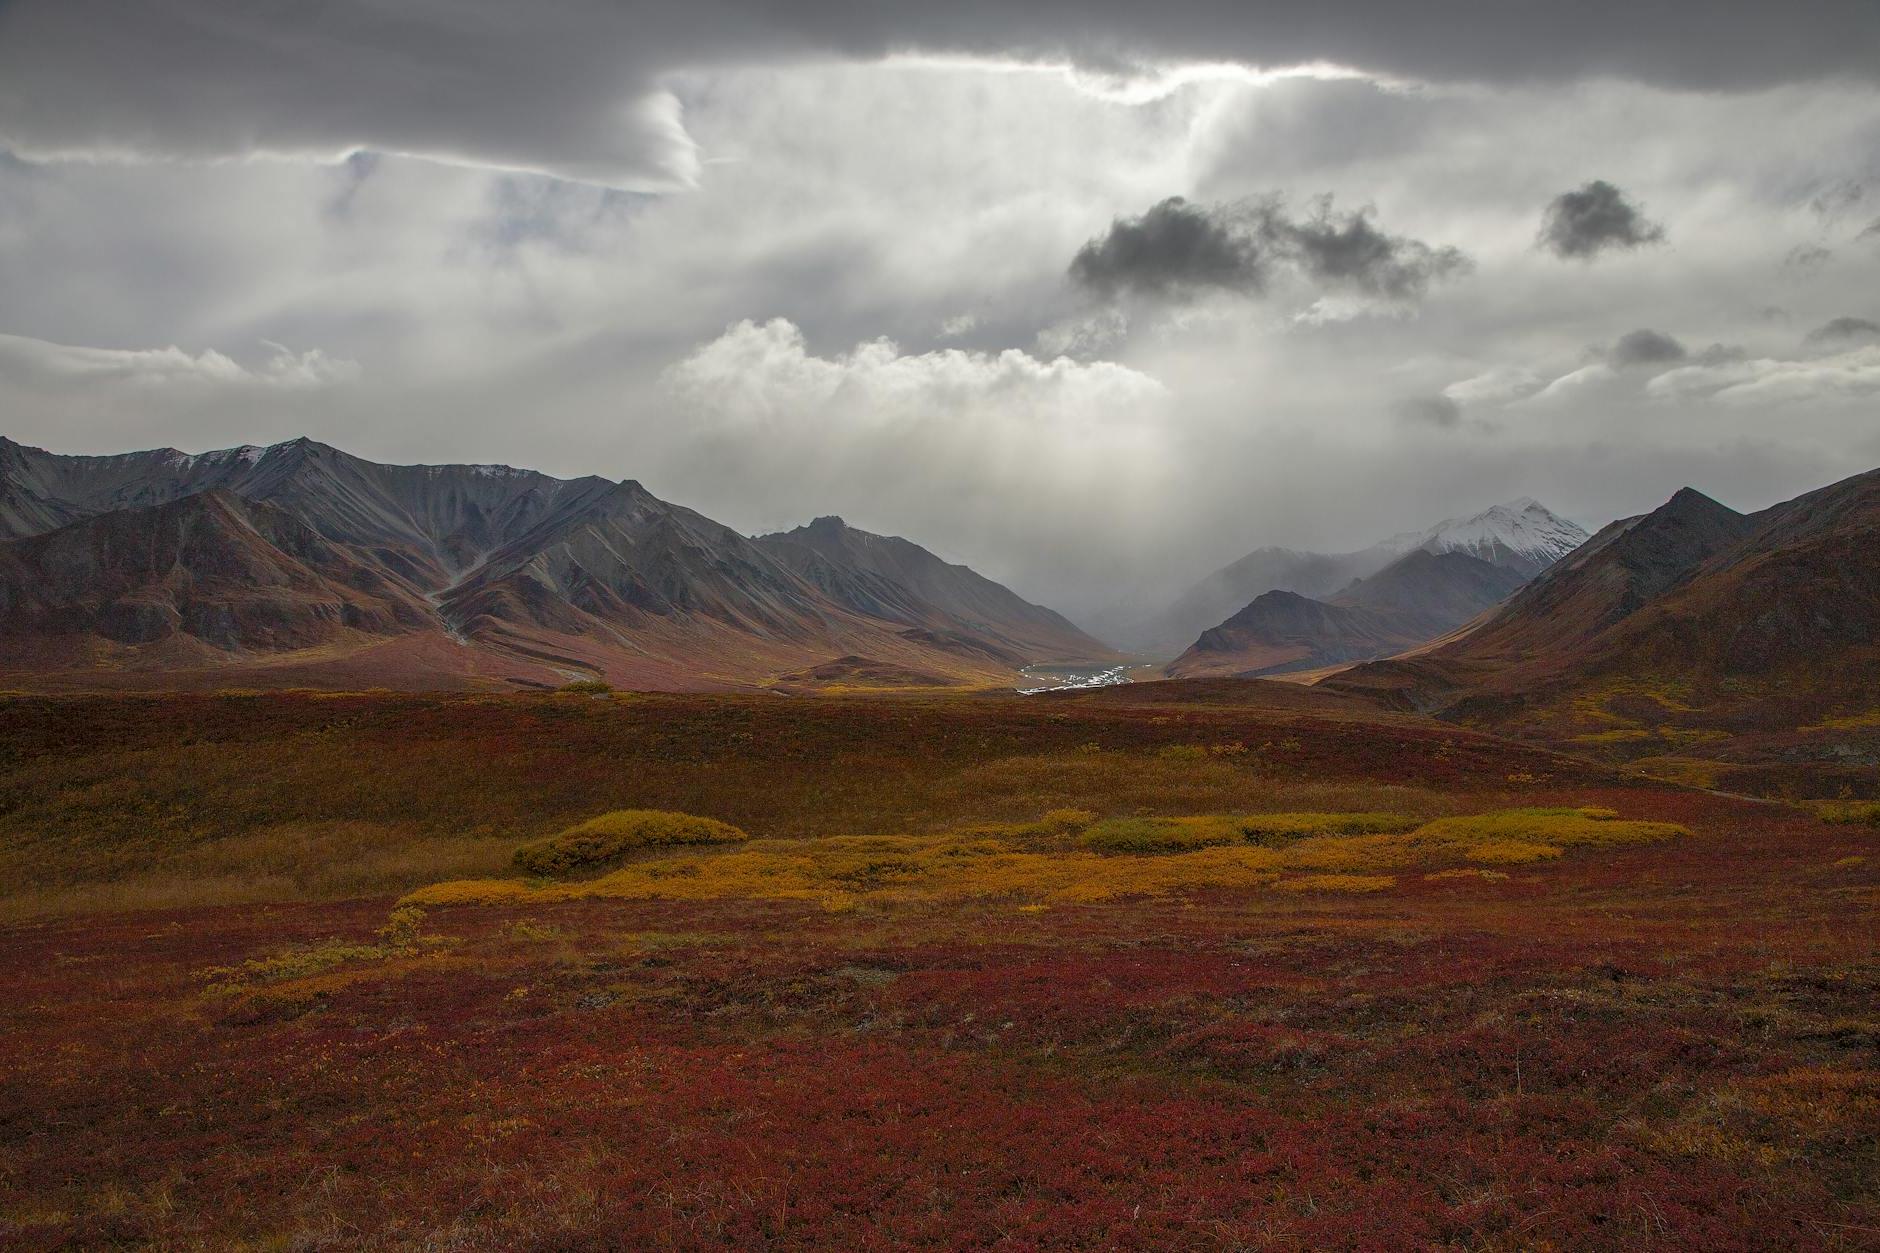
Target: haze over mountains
{"points": [[301, 563], [1399, 592], [1522, 536]]}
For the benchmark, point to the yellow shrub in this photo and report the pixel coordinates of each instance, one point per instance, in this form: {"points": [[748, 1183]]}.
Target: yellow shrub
{"points": [[468, 892], [1276, 829], [1465, 872], [612, 836]]}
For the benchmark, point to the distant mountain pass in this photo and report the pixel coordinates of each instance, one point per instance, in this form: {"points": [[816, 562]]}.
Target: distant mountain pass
{"points": [[1416, 598], [1522, 536]]}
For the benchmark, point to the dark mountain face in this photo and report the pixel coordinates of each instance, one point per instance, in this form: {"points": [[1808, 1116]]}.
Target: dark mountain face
{"points": [[1222, 593], [890, 578], [209, 569], [1615, 573], [1799, 590], [1416, 598], [511, 574], [1282, 632], [1426, 594]]}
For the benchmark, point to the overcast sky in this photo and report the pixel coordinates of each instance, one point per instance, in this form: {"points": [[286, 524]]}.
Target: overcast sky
{"points": [[1093, 297]]}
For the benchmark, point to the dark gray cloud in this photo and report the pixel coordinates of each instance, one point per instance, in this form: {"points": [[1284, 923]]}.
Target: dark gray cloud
{"points": [[1837, 199], [1175, 248], [1437, 410], [1179, 249], [1840, 330], [580, 88], [1589, 220], [1645, 347], [1807, 257], [1347, 248], [1872, 230]]}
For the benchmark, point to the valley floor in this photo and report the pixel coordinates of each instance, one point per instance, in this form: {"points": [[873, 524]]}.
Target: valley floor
{"points": [[219, 1027]]}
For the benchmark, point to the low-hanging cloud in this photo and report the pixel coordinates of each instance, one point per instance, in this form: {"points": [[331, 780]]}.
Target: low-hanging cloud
{"points": [[1595, 218], [1180, 249], [40, 365]]}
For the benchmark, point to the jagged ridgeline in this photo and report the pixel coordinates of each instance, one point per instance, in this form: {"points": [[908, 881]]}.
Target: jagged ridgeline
{"points": [[301, 564]]}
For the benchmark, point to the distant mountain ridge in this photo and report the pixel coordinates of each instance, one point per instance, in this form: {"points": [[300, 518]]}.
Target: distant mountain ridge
{"points": [[1418, 597], [301, 558], [1693, 592], [1521, 535]]}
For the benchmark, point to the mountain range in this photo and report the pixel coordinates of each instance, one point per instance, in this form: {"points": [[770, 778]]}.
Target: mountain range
{"points": [[1442, 578], [1522, 536], [299, 563], [1692, 597]]}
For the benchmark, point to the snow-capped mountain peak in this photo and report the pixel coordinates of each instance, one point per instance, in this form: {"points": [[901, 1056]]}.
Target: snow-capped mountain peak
{"points": [[1521, 534]]}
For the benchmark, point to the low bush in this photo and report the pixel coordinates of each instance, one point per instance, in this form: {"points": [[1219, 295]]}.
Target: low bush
{"points": [[1855, 812], [606, 839], [1275, 830], [1159, 835]]}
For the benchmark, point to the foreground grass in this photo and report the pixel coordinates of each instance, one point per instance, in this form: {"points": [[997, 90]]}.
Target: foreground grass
{"points": [[149, 802], [1569, 1056], [1013, 974]]}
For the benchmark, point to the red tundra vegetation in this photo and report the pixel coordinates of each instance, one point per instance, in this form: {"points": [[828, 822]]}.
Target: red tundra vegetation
{"points": [[220, 1027]]}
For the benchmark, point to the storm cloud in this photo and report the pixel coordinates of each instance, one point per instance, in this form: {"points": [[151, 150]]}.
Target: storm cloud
{"points": [[1596, 218], [1842, 329], [1175, 248], [1438, 410], [582, 88], [1645, 347], [1178, 248]]}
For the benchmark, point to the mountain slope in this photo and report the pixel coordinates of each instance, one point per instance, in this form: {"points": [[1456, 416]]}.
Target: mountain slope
{"points": [[1416, 598], [1800, 590], [1283, 631], [1425, 592], [209, 571], [1732, 609], [1615, 573], [281, 559], [897, 580]]}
